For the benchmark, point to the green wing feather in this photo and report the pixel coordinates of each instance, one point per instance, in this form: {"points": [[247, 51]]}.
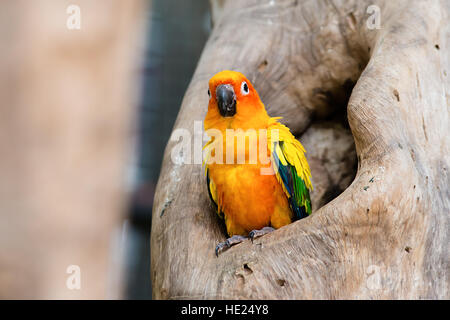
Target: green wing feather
{"points": [[292, 169]]}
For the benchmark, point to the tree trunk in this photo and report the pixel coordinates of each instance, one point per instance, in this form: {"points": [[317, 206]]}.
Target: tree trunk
{"points": [[386, 235]]}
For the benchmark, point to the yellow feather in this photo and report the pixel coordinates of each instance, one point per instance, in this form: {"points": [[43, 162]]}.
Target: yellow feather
{"points": [[292, 152]]}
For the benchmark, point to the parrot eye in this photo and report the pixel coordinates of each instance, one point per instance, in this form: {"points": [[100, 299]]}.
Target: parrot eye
{"points": [[209, 93], [244, 88]]}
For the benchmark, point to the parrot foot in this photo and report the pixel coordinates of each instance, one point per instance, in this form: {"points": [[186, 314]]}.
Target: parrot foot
{"points": [[228, 243], [258, 233]]}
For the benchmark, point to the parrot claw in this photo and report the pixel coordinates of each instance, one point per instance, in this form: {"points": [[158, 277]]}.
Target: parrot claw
{"points": [[258, 233], [228, 243]]}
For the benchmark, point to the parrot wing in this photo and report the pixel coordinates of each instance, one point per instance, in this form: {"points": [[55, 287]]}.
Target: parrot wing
{"points": [[291, 168], [213, 193]]}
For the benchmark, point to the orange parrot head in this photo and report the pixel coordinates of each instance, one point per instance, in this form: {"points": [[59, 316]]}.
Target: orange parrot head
{"points": [[233, 103]]}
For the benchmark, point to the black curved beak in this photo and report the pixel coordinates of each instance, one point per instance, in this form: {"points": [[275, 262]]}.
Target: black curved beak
{"points": [[226, 100]]}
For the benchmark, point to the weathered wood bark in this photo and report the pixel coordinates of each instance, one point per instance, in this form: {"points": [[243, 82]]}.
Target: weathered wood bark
{"points": [[386, 235], [66, 111]]}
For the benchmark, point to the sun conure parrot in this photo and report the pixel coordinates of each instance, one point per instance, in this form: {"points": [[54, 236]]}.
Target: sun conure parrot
{"points": [[251, 203]]}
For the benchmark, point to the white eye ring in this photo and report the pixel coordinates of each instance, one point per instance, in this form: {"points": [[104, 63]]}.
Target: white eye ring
{"points": [[244, 88]]}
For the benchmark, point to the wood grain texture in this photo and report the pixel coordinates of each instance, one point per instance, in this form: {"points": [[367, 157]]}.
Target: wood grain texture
{"points": [[386, 235]]}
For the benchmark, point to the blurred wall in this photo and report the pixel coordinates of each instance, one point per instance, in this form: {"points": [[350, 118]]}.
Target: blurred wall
{"points": [[67, 101]]}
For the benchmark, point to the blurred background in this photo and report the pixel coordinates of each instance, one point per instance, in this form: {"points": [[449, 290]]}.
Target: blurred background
{"points": [[176, 34], [89, 92]]}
